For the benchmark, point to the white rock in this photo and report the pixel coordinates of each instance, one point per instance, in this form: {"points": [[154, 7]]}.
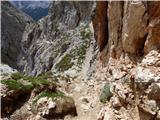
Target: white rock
{"points": [[42, 100], [145, 75], [85, 107], [6, 69], [77, 89], [158, 115], [115, 102], [152, 58], [51, 104], [108, 114]]}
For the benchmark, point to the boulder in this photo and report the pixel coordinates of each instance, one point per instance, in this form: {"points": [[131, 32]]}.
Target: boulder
{"points": [[49, 108]]}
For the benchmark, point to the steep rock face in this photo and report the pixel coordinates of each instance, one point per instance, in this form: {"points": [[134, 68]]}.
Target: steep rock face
{"points": [[132, 59], [153, 40], [73, 12], [115, 18], [133, 28], [134, 24], [60, 41], [100, 24], [13, 24]]}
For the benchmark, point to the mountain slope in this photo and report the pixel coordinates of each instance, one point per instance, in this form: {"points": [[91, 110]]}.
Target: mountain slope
{"points": [[59, 42], [13, 25]]}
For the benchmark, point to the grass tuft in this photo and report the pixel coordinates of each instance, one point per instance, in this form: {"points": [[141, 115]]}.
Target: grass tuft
{"points": [[15, 85], [16, 76], [65, 63]]}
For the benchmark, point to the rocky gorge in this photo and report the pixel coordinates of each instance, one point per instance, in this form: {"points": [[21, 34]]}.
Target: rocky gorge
{"points": [[86, 60]]}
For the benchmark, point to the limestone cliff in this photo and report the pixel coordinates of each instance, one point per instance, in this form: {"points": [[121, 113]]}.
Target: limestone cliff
{"points": [[127, 27], [127, 34], [12, 27]]}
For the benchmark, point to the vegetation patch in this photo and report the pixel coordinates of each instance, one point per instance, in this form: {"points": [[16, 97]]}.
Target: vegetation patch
{"points": [[81, 54], [36, 81], [77, 54], [105, 93], [85, 33], [65, 63], [4, 74], [16, 76], [54, 95], [40, 79], [46, 75], [15, 85]]}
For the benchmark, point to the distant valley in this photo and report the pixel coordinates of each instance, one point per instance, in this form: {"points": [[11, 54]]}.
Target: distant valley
{"points": [[35, 9]]}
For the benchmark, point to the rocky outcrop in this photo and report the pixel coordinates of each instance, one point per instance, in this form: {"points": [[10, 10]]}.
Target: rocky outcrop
{"points": [[153, 41], [5, 69], [13, 24], [133, 28], [38, 98], [134, 25], [131, 55], [60, 41]]}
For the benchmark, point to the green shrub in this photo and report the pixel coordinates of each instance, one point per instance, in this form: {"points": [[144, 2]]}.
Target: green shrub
{"points": [[45, 75], [37, 81], [15, 85], [5, 74], [28, 82], [105, 93], [40, 79], [65, 63], [16, 76]]}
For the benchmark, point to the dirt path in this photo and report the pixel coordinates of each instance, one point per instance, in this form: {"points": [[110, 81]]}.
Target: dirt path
{"points": [[86, 96]]}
